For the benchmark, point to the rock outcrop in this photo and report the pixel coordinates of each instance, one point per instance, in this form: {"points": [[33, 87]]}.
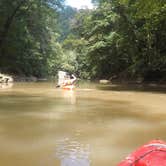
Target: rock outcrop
{"points": [[5, 78], [104, 81]]}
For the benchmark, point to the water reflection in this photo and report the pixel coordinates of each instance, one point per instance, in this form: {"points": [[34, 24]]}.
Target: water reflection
{"points": [[5, 85], [70, 96], [72, 153]]}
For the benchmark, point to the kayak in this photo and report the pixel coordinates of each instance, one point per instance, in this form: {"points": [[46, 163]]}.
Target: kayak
{"points": [[151, 154], [68, 87]]}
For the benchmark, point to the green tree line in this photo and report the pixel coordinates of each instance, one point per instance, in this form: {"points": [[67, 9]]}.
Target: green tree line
{"points": [[28, 37], [122, 39]]}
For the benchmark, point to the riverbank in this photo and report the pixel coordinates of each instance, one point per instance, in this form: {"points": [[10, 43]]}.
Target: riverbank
{"points": [[99, 84], [7, 78], [30, 79], [147, 87]]}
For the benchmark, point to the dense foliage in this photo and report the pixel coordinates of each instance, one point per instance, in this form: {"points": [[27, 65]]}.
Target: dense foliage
{"points": [[125, 39], [117, 39], [28, 34]]}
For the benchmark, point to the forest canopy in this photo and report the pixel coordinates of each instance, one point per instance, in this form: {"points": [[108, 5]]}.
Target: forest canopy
{"points": [[117, 39]]}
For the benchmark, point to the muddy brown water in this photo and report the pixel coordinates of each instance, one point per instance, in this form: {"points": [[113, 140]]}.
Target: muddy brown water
{"points": [[44, 126]]}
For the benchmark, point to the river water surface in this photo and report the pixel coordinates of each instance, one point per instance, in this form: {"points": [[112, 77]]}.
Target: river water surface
{"points": [[44, 126]]}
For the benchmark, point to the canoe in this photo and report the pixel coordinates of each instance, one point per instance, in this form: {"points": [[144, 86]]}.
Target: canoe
{"points": [[68, 87], [151, 154]]}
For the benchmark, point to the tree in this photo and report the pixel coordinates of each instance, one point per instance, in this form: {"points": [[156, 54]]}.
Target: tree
{"points": [[28, 31], [125, 38]]}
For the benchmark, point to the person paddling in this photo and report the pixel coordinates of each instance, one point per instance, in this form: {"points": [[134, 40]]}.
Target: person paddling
{"points": [[69, 80], [65, 79]]}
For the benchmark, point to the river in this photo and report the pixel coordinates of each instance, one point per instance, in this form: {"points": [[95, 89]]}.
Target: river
{"points": [[44, 126]]}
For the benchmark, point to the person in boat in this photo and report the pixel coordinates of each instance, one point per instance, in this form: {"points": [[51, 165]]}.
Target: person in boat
{"points": [[69, 80], [65, 79]]}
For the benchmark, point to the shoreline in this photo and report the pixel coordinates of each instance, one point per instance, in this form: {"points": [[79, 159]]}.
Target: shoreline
{"points": [[101, 84], [141, 87]]}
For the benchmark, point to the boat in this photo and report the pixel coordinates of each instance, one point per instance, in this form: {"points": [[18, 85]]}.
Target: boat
{"points": [[151, 154], [68, 87], [66, 81]]}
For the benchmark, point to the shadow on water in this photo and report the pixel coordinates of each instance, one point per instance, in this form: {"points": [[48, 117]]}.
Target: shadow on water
{"points": [[5, 85], [134, 87]]}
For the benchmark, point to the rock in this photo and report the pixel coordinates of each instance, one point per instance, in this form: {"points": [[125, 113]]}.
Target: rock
{"points": [[5, 78], [33, 79], [104, 81], [25, 79], [42, 79], [139, 80]]}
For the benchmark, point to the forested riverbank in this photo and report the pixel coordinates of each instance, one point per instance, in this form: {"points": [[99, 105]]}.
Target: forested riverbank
{"points": [[116, 40]]}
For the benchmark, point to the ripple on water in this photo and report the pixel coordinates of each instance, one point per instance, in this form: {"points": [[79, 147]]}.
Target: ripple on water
{"points": [[72, 153]]}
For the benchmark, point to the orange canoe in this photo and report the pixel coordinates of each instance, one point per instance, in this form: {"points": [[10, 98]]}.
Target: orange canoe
{"points": [[68, 87]]}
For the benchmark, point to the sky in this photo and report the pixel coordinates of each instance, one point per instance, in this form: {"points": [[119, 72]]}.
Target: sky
{"points": [[79, 3]]}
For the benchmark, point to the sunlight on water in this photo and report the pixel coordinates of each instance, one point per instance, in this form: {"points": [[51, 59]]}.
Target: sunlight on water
{"points": [[6, 85], [44, 126], [72, 153]]}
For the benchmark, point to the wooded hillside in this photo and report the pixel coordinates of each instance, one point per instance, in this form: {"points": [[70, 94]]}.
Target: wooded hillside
{"points": [[117, 39]]}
